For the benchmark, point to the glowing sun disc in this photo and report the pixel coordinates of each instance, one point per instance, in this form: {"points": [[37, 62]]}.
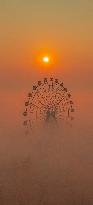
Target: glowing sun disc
{"points": [[46, 59]]}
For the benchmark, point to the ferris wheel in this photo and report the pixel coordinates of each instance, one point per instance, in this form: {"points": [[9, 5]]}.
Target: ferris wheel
{"points": [[48, 101]]}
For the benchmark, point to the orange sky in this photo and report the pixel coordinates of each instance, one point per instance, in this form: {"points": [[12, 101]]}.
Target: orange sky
{"points": [[64, 29]]}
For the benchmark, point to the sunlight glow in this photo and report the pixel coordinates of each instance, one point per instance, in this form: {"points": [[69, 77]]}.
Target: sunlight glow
{"points": [[46, 59]]}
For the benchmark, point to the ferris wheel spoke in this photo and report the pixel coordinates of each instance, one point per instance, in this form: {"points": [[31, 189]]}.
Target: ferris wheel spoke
{"points": [[60, 101], [42, 104], [41, 96], [34, 105]]}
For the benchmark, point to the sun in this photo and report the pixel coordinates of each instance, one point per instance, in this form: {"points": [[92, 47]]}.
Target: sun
{"points": [[46, 59]]}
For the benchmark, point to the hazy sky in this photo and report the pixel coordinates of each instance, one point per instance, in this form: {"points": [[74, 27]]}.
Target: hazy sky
{"points": [[61, 27]]}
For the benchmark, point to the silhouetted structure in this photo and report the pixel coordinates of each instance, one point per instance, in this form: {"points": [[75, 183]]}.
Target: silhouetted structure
{"points": [[48, 100]]}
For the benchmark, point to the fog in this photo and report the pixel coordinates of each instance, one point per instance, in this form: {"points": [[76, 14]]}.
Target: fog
{"points": [[51, 165]]}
